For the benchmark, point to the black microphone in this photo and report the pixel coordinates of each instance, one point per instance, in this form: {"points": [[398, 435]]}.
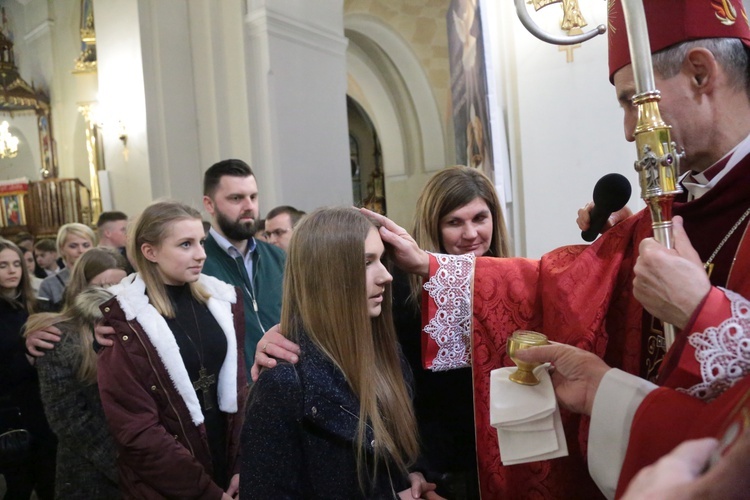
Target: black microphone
{"points": [[611, 193]]}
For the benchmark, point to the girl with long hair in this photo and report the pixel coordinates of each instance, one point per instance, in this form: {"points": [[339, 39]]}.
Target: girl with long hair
{"points": [[20, 404], [340, 423], [173, 385], [67, 376], [458, 212]]}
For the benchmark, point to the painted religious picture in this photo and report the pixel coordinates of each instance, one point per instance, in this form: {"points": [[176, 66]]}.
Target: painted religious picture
{"points": [[47, 146], [469, 86], [12, 211]]}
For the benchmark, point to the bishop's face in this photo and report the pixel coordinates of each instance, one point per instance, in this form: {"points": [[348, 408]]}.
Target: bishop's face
{"points": [[686, 111]]}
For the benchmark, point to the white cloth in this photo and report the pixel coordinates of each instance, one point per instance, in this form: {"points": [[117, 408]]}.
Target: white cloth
{"points": [[615, 403], [527, 418]]}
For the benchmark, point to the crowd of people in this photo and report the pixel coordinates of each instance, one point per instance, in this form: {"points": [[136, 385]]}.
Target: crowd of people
{"points": [[338, 355]]}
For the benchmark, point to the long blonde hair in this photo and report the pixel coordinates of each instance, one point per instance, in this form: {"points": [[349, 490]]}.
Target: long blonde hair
{"points": [[325, 296], [447, 190], [80, 318], [151, 227]]}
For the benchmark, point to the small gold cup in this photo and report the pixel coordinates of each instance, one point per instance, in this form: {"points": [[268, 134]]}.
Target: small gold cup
{"points": [[523, 339]]}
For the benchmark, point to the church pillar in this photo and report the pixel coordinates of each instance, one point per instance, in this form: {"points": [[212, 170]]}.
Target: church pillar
{"points": [[296, 68], [122, 103]]}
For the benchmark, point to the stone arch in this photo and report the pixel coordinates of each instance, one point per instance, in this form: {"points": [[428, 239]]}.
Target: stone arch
{"points": [[387, 80]]}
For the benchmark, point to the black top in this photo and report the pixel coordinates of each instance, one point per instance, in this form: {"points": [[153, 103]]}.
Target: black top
{"points": [[19, 385], [202, 344], [443, 401]]}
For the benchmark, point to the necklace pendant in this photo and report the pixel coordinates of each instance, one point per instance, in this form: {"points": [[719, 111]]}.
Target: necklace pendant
{"points": [[709, 267], [204, 382]]}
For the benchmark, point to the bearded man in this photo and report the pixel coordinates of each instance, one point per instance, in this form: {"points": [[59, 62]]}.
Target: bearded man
{"points": [[233, 255]]}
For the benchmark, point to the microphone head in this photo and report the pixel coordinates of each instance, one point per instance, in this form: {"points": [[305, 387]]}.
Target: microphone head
{"points": [[612, 192]]}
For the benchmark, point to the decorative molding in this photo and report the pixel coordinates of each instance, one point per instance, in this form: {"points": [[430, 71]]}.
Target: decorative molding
{"points": [[42, 29], [273, 23]]}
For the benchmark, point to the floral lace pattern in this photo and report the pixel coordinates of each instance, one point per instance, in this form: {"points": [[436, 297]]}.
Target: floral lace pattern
{"points": [[724, 351], [450, 328]]}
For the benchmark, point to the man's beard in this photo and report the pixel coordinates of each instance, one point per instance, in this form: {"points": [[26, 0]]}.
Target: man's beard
{"points": [[235, 230]]}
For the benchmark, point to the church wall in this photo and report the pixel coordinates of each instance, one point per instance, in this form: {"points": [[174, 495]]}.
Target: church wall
{"points": [[295, 59], [171, 114]]}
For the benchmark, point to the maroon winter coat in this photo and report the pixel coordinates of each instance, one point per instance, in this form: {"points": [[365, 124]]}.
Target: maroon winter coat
{"points": [[163, 449]]}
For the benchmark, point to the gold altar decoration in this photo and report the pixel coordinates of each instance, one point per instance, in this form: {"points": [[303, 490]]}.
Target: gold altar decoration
{"points": [[571, 23], [86, 60], [93, 148]]}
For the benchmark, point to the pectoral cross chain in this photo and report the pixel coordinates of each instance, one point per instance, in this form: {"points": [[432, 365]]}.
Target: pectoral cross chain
{"points": [[204, 382]]}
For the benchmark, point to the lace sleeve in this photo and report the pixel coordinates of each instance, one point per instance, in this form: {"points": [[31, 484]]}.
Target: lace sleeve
{"points": [[723, 352], [450, 327]]}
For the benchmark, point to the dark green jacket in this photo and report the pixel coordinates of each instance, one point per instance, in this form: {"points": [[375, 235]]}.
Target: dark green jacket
{"points": [[268, 267]]}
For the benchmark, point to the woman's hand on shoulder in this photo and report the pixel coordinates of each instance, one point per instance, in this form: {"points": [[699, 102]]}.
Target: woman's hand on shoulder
{"points": [[102, 333], [420, 488], [42, 340], [272, 346]]}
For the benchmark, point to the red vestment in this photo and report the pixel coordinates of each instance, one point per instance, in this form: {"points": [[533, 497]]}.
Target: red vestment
{"points": [[579, 295], [708, 364]]}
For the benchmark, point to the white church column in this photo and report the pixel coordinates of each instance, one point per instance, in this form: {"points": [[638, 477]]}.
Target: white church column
{"points": [[122, 103], [296, 69]]}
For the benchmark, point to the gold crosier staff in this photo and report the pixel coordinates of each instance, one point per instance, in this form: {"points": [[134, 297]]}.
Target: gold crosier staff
{"points": [[658, 157]]}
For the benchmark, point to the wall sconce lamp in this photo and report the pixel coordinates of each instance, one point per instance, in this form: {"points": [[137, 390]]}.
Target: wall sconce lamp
{"points": [[8, 142], [123, 135]]}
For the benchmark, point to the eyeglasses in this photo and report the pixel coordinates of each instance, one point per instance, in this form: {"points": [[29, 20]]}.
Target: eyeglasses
{"points": [[277, 233]]}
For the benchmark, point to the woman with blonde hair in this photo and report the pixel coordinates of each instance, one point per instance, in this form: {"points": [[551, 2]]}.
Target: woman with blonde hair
{"points": [[173, 384], [340, 423], [73, 240], [67, 377]]}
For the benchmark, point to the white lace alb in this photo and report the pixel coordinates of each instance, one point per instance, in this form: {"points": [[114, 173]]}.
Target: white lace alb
{"points": [[450, 327], [723, 352]]}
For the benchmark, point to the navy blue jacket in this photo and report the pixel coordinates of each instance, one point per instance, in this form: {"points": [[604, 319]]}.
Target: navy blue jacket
{"points": [[300, 433]]}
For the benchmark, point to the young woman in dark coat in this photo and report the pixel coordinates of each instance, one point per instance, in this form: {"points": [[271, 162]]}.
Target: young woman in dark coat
{"points": [[19, 386], [458, 212], [339, 424], [173, 384]]}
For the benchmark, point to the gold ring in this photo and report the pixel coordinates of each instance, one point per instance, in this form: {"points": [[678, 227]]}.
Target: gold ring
{"points": [[263, 349]]}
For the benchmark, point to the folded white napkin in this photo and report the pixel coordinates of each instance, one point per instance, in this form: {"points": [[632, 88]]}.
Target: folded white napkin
{"points": [[526, 417]]}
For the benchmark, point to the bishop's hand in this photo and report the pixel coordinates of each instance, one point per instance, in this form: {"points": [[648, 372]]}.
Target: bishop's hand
{"points": [[670, 283]]}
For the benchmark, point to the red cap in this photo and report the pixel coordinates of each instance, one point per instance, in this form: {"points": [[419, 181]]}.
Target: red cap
{"points": [[674, 21]]}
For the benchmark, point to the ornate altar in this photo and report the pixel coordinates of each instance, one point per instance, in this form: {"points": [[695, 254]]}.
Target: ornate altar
{"points": [[41, 207]]}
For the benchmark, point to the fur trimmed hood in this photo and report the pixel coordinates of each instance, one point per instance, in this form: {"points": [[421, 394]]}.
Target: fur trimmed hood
{"points": [[131, 295]]}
